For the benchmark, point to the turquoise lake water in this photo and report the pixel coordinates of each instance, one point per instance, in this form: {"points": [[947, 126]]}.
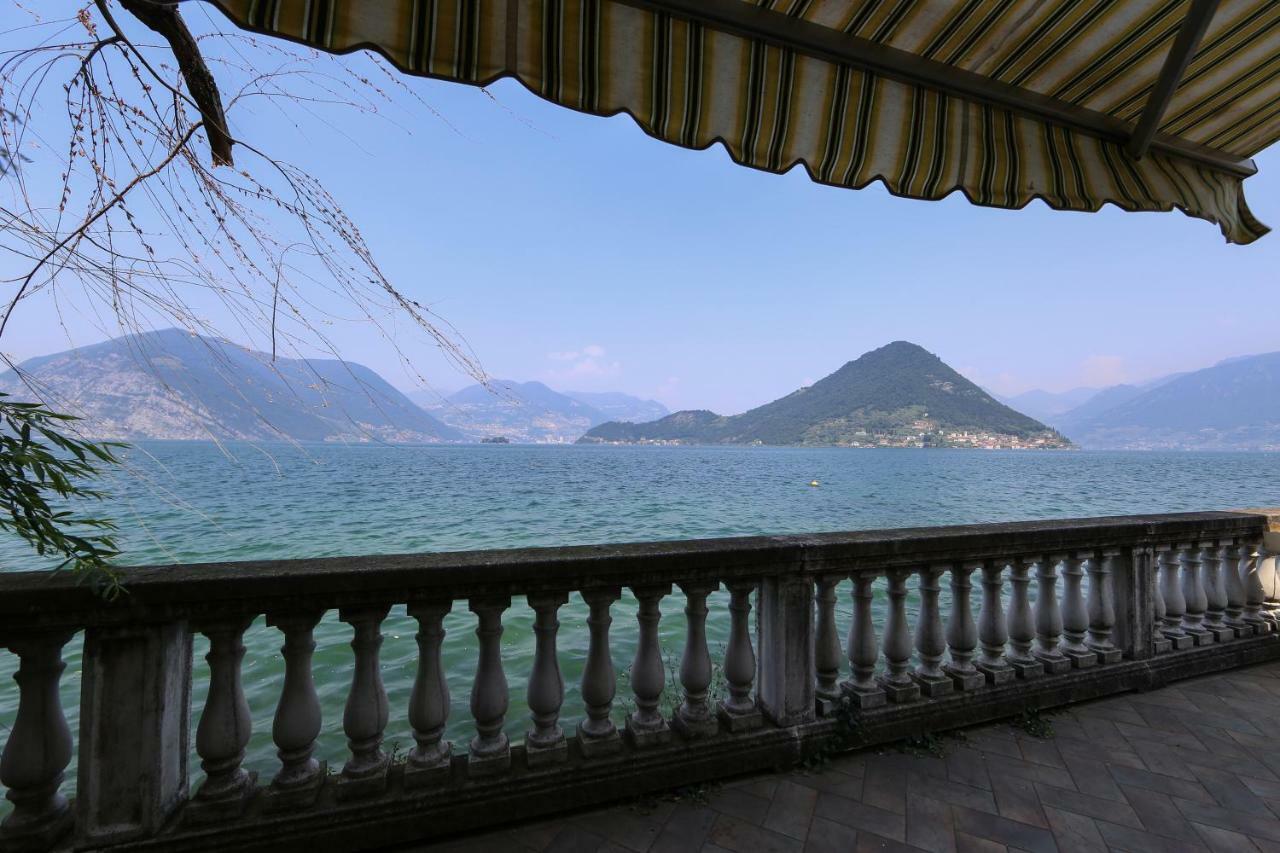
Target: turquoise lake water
{"points": [[180, 502]]}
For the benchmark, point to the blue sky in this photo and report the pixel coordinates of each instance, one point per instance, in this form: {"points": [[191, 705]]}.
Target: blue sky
{"points": [[577, 251]]}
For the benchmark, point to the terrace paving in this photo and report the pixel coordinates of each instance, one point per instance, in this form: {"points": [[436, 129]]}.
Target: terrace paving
{"points": [[1192, 766]]}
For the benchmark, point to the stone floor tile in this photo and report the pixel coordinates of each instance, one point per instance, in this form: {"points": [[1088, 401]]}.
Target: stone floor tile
{"points": [[890, 789], [1016, 799], [1159, 758], [951, 792], [574, 839], [831, 781], [757, 786], [791, 810], [1041, 752], [1158, 814], [739, 804], [861, 816], [690, 821], [1059, 777], [1003, 831], [671, 842], [827, 836], [1074, 832], [1116, 811], [632, 831], [929, 824], [1173, 786], [1224, 840], [1094, 751], [966, 843], [1230, 792], [1132, 840], [742, 837], [871, 843], [1091, 776], [968, 767], [1247, 824]]}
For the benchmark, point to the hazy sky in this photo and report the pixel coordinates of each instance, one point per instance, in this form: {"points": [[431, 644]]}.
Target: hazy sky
{"points": [[578, 251]]}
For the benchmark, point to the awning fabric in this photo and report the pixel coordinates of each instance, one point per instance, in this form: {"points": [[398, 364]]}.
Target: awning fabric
{"points": [[773, 106]]}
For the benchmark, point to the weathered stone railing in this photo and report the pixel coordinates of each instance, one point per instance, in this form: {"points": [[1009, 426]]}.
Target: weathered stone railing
{"points": [[1120, 603]]}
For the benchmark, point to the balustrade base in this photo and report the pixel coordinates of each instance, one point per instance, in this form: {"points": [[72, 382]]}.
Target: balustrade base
{"points": [[827, 705], [429, 775], [369, 783], [740, 721], [1053, 663], [489, 765], [965, 679], [278, 798], [1160, 645], [545, 755], [643, 737], [201, 811], [595, 746], [865, 698], [695, 727], [1201, 636], [1108, 656], [1081, 658], [1221, 633], [1029, 668], [1180, 640], [900, 692], [40, 833], [996, 674], [933, 686]]}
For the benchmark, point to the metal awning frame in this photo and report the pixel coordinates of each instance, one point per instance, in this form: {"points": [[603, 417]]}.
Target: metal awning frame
{"points": [[819, 42]]}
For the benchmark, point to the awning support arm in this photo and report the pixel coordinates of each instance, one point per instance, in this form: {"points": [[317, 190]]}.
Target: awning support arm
{"points": [[746, 19], [1185, 44]]}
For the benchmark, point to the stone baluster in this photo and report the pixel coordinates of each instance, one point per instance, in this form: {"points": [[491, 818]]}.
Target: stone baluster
{"points": [[597, 734], [364, 719], [490, 751], [1215, 589], [992, 630], [645, 726], [962, 633], [1049, 617], [430, 760], [897, 682], [693, 717], [931, 644], [1102, 609], [1194, 594], [826, 647], [863, 649], [297, 721], [1268, 576], [38, 749], [1234, 583], [545, 743], [1254, 594], [1159, 642], [1021, 626], [1075, 617], [739, 711], [224, 728], [1175, 604]]}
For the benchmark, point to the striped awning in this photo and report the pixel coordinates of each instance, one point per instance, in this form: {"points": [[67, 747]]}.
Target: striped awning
{"points": [[1144, 104]]}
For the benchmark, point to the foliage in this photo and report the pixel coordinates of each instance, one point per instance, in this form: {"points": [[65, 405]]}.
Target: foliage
{"points": [[40, 463], [1033, 723]]}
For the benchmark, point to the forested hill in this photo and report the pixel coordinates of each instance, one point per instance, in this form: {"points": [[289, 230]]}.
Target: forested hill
{"points": [[898, 395]]}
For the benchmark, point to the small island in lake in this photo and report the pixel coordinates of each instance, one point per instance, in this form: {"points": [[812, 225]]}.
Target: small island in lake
{"points": [[495, 439]]}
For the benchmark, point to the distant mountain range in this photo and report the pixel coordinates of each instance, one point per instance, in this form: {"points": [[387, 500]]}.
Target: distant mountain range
{"points": [[900, 395], [171, 384], [532, 412], [1234, 405]]}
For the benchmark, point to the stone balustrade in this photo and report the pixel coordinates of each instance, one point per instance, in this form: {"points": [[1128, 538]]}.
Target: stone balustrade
{"points": [[1067, 610]]}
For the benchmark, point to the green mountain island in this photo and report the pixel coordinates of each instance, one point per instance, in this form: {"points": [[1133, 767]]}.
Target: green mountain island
{"points": [[900, 395]]}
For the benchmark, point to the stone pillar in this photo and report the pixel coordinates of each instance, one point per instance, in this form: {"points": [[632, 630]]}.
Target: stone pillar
{"points": [[1175, 605], [694, 717], [135, 711], [596, 734], [1049, 617], [1075, 617], [863, 649], [490, 748], [1102, 610], [545, 743], [962, 634], [897, 682], [224, 729], [1133, 582], [1193, 592], [785, 673], [1229, 555], [992, 630], [827, 645], [364, 719], [297, 720], [431, 759], [1215, 589], [930, 642], [39, 747], [645, 726], [1021, 626], [739, 713]]}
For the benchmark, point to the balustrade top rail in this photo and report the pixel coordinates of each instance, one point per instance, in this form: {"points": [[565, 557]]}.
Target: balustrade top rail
{"points": [[210, 590]]}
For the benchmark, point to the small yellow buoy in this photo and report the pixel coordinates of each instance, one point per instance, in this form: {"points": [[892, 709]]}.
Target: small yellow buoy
{"points": [[813, 483]]}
